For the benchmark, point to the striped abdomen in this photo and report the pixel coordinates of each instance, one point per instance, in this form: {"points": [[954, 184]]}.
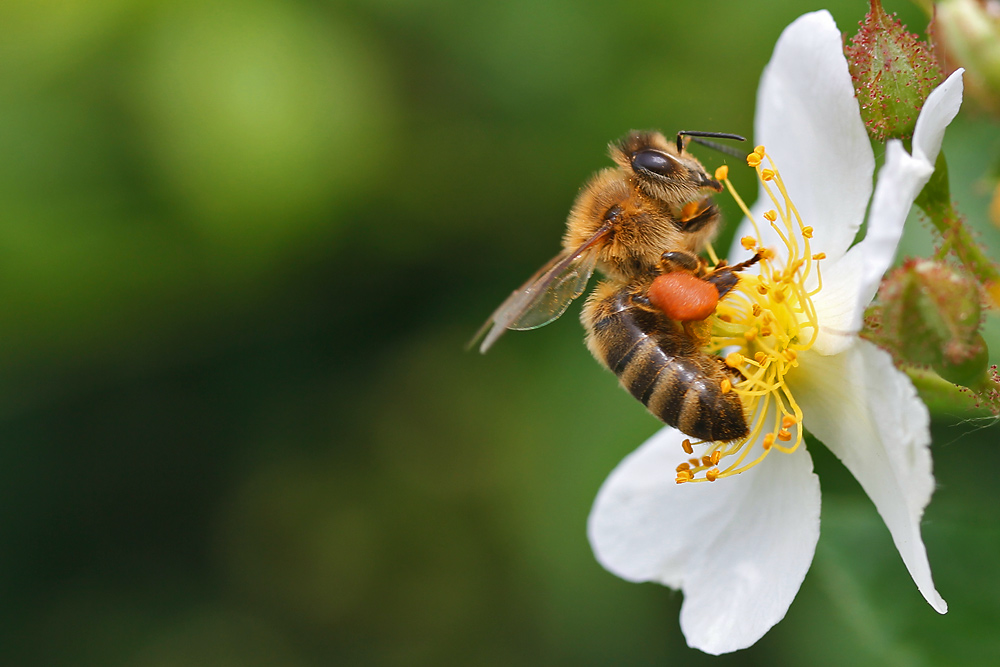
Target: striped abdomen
{"points": [[661, 366]]}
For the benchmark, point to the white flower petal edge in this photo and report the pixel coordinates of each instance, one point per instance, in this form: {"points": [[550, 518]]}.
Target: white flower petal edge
{"points": [[808, 119], [739, 549], [899, 182], [868, 414], [939, 110]]}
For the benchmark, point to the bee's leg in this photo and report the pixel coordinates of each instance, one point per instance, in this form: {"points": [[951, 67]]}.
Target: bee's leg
{"points": [[747, 264], [701, 218], [674, 260], [724, 277]]}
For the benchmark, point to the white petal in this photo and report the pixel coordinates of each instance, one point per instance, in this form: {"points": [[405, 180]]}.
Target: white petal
{"points": [[939, 110], [868, 414], [739, 547], [899, 182], [837, 303], [808, 120]]}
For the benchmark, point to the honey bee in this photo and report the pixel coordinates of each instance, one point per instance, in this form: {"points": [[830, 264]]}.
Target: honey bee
{"points": [[642, 224]]}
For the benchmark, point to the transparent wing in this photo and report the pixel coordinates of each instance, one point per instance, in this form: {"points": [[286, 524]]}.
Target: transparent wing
{"points": [[546, 295]]}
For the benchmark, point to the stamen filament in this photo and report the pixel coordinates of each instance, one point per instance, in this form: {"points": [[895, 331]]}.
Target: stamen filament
{"points": [[769, 319]]}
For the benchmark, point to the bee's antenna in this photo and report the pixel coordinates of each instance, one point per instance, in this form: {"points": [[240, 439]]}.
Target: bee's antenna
{"points": [[711, 144]]}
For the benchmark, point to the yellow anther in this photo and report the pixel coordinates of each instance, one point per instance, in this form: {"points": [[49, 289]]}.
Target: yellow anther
{"points": [[684, 476], [722, 173], [767, 174], [760, 357], [784, 435], [766, 254], [695, 462], [765, 331], [712, 475], [686, 445], [788, 421], [734, 359], [756, 310], [820, 255], [748, 242], [759, 150], [768, 441], [791, 355], [750, 334], [725, 386], [753, 160], [682, 467], [771, 215], [716, 457], [706, 461], [762, 289], [807, 232]]}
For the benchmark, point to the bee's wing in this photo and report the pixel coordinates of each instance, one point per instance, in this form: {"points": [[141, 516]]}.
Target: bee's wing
{"points": [[546, 295]]}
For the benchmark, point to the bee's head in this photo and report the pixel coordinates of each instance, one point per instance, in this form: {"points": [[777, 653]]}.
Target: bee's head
{"points": [[662, 169]]}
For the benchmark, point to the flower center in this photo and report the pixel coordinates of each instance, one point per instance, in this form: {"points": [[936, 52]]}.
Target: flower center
{"points": [[761, 326]]}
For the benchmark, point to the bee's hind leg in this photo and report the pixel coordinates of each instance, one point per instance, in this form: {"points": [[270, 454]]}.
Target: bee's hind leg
{"points": [[724, 277]]}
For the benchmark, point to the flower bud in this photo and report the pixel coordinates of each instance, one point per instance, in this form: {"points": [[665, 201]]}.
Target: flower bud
{"points": [[927, 313], [893, 73], [969, 32]]}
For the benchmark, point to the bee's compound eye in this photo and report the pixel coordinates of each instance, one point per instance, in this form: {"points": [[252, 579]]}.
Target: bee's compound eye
{"points": [[655, 161]]}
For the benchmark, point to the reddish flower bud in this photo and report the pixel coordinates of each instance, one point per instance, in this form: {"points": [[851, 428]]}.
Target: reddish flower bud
{"points": [[893, 73]]}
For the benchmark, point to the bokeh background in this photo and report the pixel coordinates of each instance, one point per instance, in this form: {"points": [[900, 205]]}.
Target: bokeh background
{"points": [[242, 247]]}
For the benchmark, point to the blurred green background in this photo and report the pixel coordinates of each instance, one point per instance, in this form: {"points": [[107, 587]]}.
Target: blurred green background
{"points": [[242, 246]]}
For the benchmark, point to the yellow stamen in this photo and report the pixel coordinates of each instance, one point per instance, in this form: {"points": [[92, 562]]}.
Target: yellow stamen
{"points": [[722, 173], [769, 319]]}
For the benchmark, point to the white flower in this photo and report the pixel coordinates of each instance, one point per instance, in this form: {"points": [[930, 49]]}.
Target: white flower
{"points": [[740, 547]]}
